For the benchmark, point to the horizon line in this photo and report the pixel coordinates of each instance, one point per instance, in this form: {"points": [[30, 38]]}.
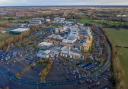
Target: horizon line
{"points": [[54, 5]]}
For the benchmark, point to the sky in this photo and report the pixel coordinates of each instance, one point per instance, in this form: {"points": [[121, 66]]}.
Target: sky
{"points": [[61, 2]]}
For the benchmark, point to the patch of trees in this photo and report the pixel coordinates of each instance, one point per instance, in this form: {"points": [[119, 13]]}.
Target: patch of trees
{"points": [[4, 45]]}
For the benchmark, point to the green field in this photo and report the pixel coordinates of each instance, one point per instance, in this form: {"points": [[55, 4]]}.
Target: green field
{"points": [[3, 37], [14, 20], [120, 37], [3, 22], [104, 23]]}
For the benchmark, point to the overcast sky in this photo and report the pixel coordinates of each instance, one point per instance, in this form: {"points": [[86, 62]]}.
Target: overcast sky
{"points": [[61, 2]]}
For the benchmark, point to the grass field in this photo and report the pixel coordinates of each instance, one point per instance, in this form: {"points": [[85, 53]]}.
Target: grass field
{"points": [[3, 22], [120, 37], [13, 20], [103, 23], [3, 36]]}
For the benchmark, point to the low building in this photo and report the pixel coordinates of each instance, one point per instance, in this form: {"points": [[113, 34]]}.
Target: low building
{"points": [[58, 19], [42, 44], [48, 20], [43, 54], [44, 49], [57, 37], [49, 52], [45, 45], [60, 30], [36, 21], [23, 25], [18, 30], [69, 23], [57, 30], [67, 52], [55, 51]]}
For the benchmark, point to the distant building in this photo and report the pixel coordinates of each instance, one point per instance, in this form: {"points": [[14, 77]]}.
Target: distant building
{"points": [[36, 21], [58, 37], [58, 19], [48, 20], [18, 30], [45, 45], [60, 30], [3, 13], [23, 25]]}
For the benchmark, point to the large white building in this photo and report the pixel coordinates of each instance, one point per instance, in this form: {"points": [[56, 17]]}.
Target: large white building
{"points": [[67, 52], [72, 37], [47, 50], [49, 53]]}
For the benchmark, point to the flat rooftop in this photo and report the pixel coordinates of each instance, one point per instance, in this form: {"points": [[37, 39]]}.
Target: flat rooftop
{"points": [[20, 29]]}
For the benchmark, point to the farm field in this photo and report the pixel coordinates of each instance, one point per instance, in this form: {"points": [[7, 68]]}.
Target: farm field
{"points": [[120, 38]]}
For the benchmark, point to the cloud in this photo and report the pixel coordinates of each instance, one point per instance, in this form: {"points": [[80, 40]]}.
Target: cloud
{"points": [[5, 1], [114, 2], [13, 2], [62, 2]]}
